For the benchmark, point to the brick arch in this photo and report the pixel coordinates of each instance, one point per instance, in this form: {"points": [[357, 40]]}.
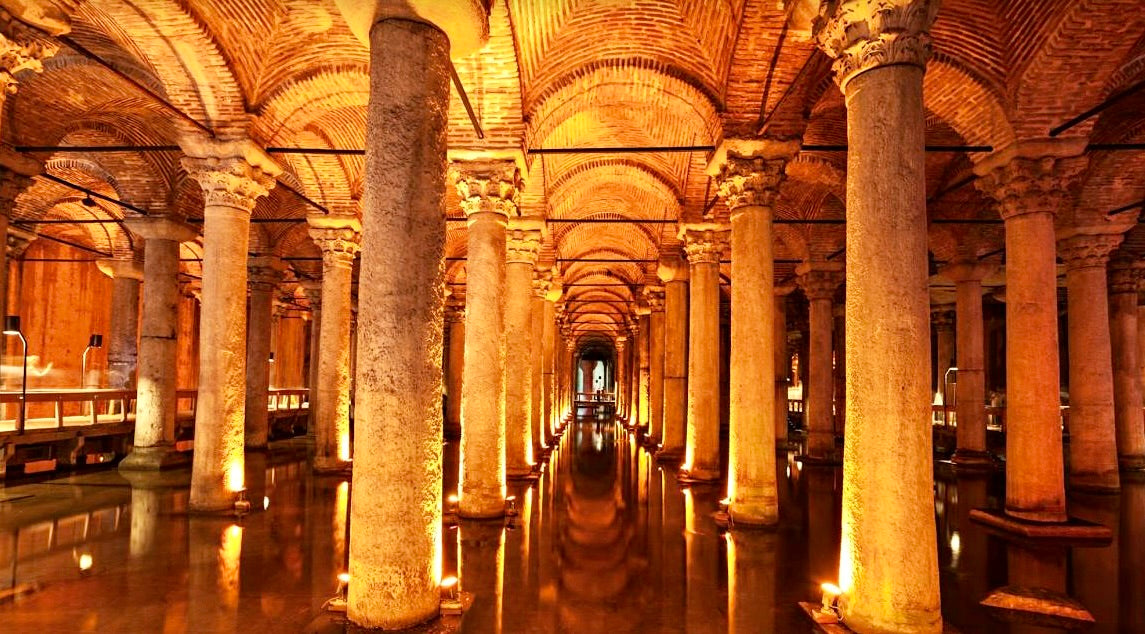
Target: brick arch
{"points": [[294, 241], [620, 167], [966, 102], [143, 179], [810, 202]]}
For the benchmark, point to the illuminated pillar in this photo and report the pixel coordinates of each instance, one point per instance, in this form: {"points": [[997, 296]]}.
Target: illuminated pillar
{"points": [[548, 364], [1123, 280], [395, 530], [644, 359], [263, 276], [748, 175], [481, 556], [656, 365], [537, 366], [313, 291], [970, 397], [155, 405], [782, 366], [889, 583], [454, 366], [1030, 182], [621, 376], [819, 282], [488, 193], [705, 244], [523, 242], [233, 176], [567, 365], [1092, 434], [122, 349], [338, 236], [674, 273]]}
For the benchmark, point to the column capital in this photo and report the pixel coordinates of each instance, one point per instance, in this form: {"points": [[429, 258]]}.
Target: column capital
{"points": [[17, 241], [942, 316], [120, 267], [819, 280], [12, 184], [748, 172], [672, 268], [621, 342], [338, 236], [968, 270], [522, 245], [264, 272], [704, 242], [191, 287], [313, 291], [865, 34], [455, 312], [487, 186], [546, 286], [654, 295], [22, 48], [1088, 250], [161, 228], [1033, 177], [232, 174], [1125, 276]]}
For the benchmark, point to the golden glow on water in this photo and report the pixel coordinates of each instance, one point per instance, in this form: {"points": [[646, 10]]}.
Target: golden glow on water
{"points": [[230, 549], [341, 508], [689, 512]]}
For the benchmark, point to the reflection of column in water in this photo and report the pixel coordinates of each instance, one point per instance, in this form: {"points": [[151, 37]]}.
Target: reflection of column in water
{"points": [[968, 542], [823, 525], [1093, 568], [1132, 556], [254, 477], [702, 546], [341, 510], [1041, 568], [517, 564], [213, 574], [482, 565], [751, 582], [673, 569], [145, 504], [654, 541]]}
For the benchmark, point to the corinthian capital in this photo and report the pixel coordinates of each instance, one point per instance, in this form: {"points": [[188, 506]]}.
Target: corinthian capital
{"points": [[749, 171], [339, 236], [866, 34], [492, 186], [232, 174], [1088, 251], [523, 241], [704, 244], [1029, 182], [21, 48]]}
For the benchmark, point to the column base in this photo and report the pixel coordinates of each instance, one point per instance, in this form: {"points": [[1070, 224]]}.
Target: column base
{"points": [[752, 515], [819, 461], [1131, 463], [670, 455], [698, 475], [651, 443], [518, 473], [153, 459], [1094, 482], [327, 465], [1036, 606], [1072, 531], [475, 506], [971, 460]]}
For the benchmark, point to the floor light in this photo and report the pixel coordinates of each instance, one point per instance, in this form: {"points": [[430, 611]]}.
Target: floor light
{"points": [[12, 328], [94, 342]]}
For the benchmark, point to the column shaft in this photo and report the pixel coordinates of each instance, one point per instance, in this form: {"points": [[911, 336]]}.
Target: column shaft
{"points": [[332, 450], [644, 359], [454, 373], [548, 366], [702, 458], [536, 371], [675, 368], [970, 403], [781, 369], [820, 380], [656, 372], [122, 346], [518, 375], [1126, 380], [261, 310]]}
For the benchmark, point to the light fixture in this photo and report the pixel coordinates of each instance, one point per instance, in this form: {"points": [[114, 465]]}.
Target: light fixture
{"points": [[94, 342], [12, 328], [88, 201], [451, 603], [271, 359], [242, 505], [828, 612]]}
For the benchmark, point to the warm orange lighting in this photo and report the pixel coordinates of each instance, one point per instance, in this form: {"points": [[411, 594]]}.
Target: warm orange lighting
{"points": [[265, 502], [344, 445], [235, 482], [85, 562], [343, 577], [448, 582], [230, 550], [341, 506], [830, 589]]}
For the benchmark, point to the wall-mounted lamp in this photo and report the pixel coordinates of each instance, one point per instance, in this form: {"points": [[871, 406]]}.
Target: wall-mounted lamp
{"points": [[12, 328], [271, 359], [88, 201], [94, 342]]}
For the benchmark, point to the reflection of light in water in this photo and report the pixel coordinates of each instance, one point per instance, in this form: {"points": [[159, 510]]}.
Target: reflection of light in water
{"points": [[955, 545], [85, 562], [689, 515], [229, 551], [265, 502], [341, 504], [598, 441]]}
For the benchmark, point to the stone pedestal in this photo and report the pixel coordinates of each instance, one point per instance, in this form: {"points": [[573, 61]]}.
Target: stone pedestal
{"points": [[263, 276], [1123, 281], [674, 273], [1093, 439], [819, 281], [970, 403], [488, 193], [338, 236], [522, 244], [156, 403], [888, 498], [704, 246], [122, 342], [748, 175], [454, 367], [656, 365], [233, 176]]}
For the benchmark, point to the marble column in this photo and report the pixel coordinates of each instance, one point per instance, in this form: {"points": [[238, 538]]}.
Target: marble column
{"points": [[819, 282], [567, 380], [548, 365], [537, 367], [395, 533], [621, 376], [942, 321], [782, 366], [644, 361], [122, 340], [156, 405], [839, 377], [338, 236], [656, 365], [1030, 183], [454, 366], [1092, 434], [488, 193], [313, 291], [674, 273], [881, 50], [233, 176], [264, 273], [704, 246], [522, 243], [748, 174], [970, 399], [1123, 281]]}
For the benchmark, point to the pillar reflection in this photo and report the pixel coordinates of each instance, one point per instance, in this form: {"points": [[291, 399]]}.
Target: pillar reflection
{"points": [[215, 547], [481, 562], [751, 581]]}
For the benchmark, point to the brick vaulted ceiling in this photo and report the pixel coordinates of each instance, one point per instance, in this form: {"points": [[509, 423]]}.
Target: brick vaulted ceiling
{"points": [[568, 74]]}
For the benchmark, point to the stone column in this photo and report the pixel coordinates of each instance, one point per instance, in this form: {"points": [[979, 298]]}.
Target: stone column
{"points": [[12, 184], [621, 376], [748, 175], [233, 176], [839, 341], [705, 244], [338, 236], [488, 193], [548, 365], [656, 365], [523, 242], [881, 50], [970, 403], [1093, 437], [782, 366], [942, 320], [395, 533], [1123, 280], [819, 281], [454, 366], [567, 364], [537, 367], [644, 359], [156, 404], [313, 291], [674, 273], [122, 340], [263, 276]]}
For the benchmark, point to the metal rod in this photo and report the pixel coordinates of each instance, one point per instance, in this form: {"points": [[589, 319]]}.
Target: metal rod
{"points": [[1115, 147], [83, 221], [93, 194], [1097, 109], [74, 245], [967, 221], [623, 150], [1125, 208], [465, 101], [318, 151], [95, 149]]}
